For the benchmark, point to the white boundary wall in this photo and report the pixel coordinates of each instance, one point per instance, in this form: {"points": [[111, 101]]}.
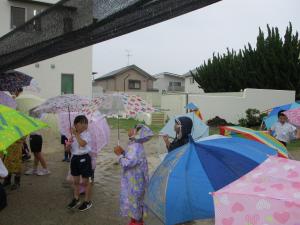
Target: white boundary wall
{"points": [[229, 106]]}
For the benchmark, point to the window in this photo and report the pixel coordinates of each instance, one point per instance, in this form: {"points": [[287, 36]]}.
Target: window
{"points": [[134, 84], [67, 84], [17, 17], [192, 80], [174, 84]]}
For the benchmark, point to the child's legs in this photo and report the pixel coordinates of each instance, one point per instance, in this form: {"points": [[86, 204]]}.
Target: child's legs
{"points": [[40, 159], [76, 183], [35, 160], [88, 190]]}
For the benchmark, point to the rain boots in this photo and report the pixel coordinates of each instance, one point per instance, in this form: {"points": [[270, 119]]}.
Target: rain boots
{"points": [[134, 222]]}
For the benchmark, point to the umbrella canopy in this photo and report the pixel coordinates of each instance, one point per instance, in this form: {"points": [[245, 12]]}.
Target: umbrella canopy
{"points": [[15, 125], [260, 136], [179, 188], [293, 116], [98, 128], [13, 80], [62, 103], [273, 115], [269, 194], [199, 129], [191, 106], [117, 103], [7, 100]]}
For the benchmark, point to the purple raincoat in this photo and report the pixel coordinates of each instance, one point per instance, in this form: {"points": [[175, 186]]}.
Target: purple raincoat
{"points": [[134, 178]]}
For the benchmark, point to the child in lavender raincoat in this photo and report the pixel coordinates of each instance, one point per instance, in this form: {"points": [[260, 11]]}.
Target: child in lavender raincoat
{"points": [[134, 178]]}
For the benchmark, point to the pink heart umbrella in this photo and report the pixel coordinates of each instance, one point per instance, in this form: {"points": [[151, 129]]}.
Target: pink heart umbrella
{"points": [[269, 194], [293, 116]]}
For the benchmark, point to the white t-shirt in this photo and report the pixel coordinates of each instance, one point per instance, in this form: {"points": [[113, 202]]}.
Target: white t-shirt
{"points": [[76, 149], [284, 132], [3, 170]]}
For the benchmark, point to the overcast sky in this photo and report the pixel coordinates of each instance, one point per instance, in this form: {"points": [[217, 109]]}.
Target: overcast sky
{"points": [[183, 43]]}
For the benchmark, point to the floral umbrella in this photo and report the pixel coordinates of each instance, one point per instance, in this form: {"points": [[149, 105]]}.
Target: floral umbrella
{"points": [[131, 105], [15, 125], [293, 116], [13, 80], [114, 104], [65, 103], [269, 194], [7, 100]]}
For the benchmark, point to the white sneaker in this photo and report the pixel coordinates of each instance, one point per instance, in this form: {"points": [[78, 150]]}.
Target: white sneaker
{"points": [[31, 172], [43, 172]]}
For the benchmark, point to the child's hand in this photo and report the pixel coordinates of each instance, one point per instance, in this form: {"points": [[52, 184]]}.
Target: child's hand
{"points": [[73, 130], [118, 150]]}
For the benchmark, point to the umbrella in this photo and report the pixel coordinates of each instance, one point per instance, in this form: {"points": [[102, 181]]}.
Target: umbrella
{"points": [[179, 188], [98, 128], [199, 130], [13, 80], [269, 194], [260, 136], [293, 116], [191, 106], [7, 100], [115, 104], [64, 103], [273, 115], [15, 125]]}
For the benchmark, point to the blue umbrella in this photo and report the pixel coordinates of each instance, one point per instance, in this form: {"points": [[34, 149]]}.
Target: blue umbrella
{"points": [[191, 106], [179, 188], [273, 116], [199, 129]]}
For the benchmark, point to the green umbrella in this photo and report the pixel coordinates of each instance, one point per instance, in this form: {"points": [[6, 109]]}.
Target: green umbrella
{"points": [[15, 125]]}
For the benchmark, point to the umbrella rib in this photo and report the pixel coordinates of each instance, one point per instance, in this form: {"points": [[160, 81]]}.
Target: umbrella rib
{"points": [[19, 131], [28, 119], [3, 121]]}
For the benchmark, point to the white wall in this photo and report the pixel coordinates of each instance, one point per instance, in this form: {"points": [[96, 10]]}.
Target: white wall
{"points": [[78, 62], [192, 87], [231, 108]]}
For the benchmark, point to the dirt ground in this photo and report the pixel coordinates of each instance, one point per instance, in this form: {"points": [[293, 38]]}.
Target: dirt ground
{"points": [[43, 200]]}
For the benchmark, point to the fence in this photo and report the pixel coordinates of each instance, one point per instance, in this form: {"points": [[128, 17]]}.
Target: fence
{"points": [[229, 106]]}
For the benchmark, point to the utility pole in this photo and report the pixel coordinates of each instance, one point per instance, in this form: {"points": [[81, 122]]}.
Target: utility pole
{"points": [[128, 56]]}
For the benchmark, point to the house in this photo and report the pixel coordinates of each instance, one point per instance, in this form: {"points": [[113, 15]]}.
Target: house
{"points": [[169, 82], [191, 86], [68, 73], [129, 78]]}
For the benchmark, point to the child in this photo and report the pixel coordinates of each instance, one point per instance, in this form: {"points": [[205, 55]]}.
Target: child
{"points": [[67, 155], [183, 128], [134, 174], [81, 166], [3, 173], [13, 163], [36, 143], [283, 131]]}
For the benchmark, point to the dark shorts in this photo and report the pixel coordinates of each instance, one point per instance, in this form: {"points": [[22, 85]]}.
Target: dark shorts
{"points": [[81, 165], [36, 143], [63, 139]]}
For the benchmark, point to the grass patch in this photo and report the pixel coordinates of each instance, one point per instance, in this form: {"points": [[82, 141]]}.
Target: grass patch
{"points": [[295, 145], [126, 124]]}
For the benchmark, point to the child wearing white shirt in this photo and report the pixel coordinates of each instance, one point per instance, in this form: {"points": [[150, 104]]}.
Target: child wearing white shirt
{"points": [[81, 165], [283, 131]]}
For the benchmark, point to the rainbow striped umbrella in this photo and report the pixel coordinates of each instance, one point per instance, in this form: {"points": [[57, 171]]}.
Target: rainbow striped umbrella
{"points": [[260, 136]]}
